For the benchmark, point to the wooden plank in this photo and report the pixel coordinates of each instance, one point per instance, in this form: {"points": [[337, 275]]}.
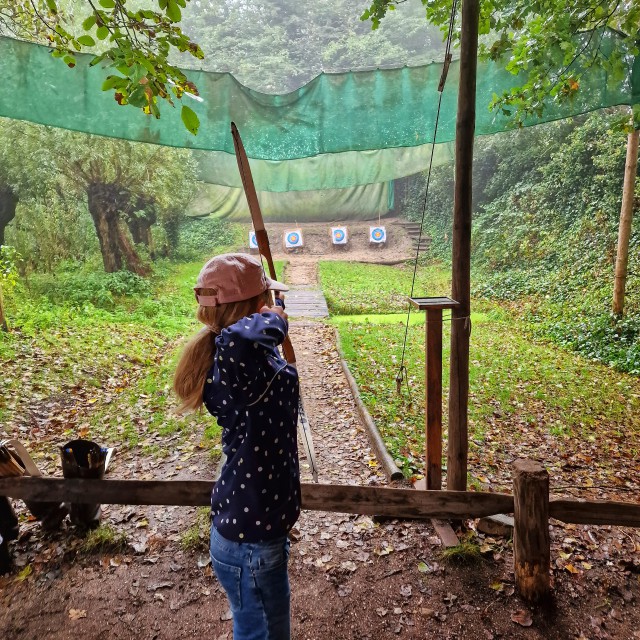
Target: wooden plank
{"points": [[433, 303], [531, 540], [446, 533], [395, 503], [433, 398], [621, 514]]}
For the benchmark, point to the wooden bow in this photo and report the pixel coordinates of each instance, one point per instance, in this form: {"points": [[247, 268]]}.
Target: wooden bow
{"points": [[265, 251]]}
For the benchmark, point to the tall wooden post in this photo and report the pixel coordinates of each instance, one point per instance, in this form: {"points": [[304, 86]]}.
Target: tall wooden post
{"points": [[531, 540], [461, 260], [433, 397], [626, 216]]}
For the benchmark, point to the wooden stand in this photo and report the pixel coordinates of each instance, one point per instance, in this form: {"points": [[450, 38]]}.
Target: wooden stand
{"points": [[433, 386], [433, 404]]}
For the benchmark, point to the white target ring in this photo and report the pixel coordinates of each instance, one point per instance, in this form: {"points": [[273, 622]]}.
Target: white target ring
{"points": [[293, 239], [377, 234], [339, 235]]}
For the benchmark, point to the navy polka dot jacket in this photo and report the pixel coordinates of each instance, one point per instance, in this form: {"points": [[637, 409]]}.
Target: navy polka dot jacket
{"points": [[254, 395]]}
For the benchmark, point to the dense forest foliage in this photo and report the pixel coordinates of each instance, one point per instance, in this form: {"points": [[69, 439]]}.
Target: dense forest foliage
{"points": [[546, 213]]}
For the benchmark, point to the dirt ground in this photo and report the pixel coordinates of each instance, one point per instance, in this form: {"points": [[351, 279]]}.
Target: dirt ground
{"points": [[351, 577]]}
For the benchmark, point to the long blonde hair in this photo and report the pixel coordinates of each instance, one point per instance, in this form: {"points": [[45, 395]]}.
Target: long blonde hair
{"points": [[199, 353]]}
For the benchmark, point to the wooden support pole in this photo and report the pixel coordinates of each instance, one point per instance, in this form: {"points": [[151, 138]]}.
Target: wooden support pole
{"points": [[531, 541], [433, 392], [458, 444], [626, 217]]}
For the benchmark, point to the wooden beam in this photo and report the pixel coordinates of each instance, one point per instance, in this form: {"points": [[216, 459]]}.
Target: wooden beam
{"points": [[395, 503], [621, 514], [399, 503], [458, 444]]}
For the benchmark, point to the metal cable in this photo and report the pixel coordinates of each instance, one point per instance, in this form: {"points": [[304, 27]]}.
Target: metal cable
{"points": [[452, 18]]}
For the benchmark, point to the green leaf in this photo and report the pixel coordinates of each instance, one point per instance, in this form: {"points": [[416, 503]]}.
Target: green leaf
{"points": [[138, 97], [70, 61], [97, 59], [108, 4], [89, 22], [190, 119], [113, 81], [87, 41], [52, 6], [173, 11], [102, 32]]}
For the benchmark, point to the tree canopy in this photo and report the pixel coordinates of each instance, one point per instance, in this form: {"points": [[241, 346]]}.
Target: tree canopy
{"points": [[133, 40], [550, 42]]}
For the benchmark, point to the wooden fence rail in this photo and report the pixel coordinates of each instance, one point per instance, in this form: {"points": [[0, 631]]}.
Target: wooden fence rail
{"points": [[530, 504], [382, 501]]}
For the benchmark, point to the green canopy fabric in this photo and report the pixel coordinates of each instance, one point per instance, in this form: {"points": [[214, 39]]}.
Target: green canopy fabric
{"points": [[351, 128], [365, 202]]}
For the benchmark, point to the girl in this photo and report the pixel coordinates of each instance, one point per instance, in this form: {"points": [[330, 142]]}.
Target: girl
{"points": [[233, 367]]}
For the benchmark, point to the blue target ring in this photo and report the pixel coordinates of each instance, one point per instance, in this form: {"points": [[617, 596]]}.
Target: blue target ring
{"points": [[253, 243], [377, 234], [293, 238], [338, 234]]}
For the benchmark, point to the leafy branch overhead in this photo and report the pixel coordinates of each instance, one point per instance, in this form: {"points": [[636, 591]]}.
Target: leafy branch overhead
{"points": [[550, 43], [135, 43]]}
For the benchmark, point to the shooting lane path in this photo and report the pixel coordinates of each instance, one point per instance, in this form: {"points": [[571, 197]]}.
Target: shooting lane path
{"points": [[349, 554]]}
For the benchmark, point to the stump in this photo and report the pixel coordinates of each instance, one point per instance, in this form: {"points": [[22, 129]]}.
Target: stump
{"points": [[531, 542]]}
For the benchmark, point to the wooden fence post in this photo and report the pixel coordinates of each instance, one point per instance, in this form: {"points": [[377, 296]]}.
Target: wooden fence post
{"points": [[531, 542]]}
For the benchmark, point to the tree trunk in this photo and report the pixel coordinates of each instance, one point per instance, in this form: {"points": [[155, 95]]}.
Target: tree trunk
{"points": [[128, 251], [4, 325], [626, 217], [8, 204], [461, 260], [103, 210]]}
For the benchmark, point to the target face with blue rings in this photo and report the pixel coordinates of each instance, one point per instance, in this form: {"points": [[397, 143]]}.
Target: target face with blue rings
{"points": [[293, 239], [253, 243], [378, 234], [339, 235]]}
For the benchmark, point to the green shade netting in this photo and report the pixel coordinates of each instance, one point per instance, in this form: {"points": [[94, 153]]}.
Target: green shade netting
{"points": [[337, 131], [364, 202]]}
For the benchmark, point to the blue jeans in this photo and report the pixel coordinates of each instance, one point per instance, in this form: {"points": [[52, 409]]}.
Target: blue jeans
{"points": [[255, 578]]}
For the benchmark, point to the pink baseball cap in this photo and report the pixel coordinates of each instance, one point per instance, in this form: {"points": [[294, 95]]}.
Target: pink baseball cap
{"points": [[233, 277]]}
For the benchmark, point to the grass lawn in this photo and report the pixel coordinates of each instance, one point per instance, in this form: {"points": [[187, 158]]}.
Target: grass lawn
{"points": [[104, 374], [527, 397]]}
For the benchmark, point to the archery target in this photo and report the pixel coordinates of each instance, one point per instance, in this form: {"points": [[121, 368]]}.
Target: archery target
{"points": [[377, 234], [339, 235], [253, 243], [293, 239]]}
